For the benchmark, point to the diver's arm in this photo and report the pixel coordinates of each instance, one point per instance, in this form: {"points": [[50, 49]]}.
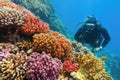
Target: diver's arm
{"points": [[78, 34], [106, 37]]}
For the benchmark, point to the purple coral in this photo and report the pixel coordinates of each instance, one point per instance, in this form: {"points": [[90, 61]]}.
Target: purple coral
{"points": [[4, 53], [43, 67]]}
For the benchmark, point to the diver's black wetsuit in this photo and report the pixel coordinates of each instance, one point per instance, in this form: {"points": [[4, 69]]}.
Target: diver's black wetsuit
{"points": [[96, 37]]}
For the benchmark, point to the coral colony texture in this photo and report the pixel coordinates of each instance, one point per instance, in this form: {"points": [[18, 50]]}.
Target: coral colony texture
{"points": [[43, 67], [29, 50], [45, 11]]}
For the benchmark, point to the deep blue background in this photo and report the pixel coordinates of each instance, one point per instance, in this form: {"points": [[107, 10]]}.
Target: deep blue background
{"points": [[71, 12]]}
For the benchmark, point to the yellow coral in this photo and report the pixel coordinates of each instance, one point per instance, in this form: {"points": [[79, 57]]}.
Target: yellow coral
{"points": [[91, 68], [13, 67]]}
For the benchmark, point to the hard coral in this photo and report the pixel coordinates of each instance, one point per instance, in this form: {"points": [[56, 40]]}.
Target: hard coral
{"points": [[91, 68], [13, 67], [11, 17], [32, 23], [43, 67], [70, 66], [4, 53], [54, 43]]}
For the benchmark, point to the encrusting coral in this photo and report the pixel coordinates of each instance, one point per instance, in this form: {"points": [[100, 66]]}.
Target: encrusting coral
{"points": [[54, 43], [91, 68], [14, 67], [43, 67]]}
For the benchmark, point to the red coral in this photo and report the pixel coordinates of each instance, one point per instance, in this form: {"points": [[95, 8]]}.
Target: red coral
{"points": [[69, 66], [33, 25]]}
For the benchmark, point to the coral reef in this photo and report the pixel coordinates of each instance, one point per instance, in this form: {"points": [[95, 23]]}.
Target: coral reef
{"points": [[79, 48], [24, 45], [70, 66], [24, 56], [55, 44], [43, 67], [32, 23], [91, 68], [11, 17], [45, 11], [13, 67], [4, 53], [10, 47]]}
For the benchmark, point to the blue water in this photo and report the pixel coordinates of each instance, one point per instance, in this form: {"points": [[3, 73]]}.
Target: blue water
{"points": [[72, 12]]}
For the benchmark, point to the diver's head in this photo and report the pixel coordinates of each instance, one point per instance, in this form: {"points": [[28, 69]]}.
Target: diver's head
{"points": [[91, 19], [89, 27]]}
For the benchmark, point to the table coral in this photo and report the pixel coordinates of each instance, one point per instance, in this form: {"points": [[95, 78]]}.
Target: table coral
{"points": [[13, 67], [54, 43], [43, 67]]}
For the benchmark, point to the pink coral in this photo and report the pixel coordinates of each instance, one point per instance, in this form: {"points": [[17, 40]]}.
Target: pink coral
{"points": [[43, 67], [69, 66], [4, 53]]}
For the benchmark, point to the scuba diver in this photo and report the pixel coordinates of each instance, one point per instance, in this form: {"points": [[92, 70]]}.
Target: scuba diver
{"points": [[93, 34]]}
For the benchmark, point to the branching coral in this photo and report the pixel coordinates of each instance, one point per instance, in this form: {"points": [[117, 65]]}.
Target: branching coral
{"points": [[11, 17], [91, 68], [79, 48], [54, 43], [10, 47], [24, 45], [43, 67], [70, 66], [13, 67], [32, 23], [4, 53]]}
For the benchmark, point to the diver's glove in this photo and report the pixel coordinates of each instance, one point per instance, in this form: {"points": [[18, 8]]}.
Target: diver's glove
{"points": [[97, 48]]}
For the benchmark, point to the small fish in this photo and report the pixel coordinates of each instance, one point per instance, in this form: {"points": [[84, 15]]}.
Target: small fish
{"points": [[103, 58]]}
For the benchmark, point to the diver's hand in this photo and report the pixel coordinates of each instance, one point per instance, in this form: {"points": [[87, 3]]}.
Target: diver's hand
{"points": [[97, 49]]}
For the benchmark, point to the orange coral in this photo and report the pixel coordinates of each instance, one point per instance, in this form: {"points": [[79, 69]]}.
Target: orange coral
{"points": [[52, 43]]}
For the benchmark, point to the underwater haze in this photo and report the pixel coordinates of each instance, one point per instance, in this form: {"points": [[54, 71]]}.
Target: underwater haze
{"points": [[73, 12]]}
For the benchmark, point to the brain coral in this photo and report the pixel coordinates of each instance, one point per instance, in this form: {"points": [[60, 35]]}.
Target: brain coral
{"points": [[43, 67], [91, 68], [54, 43]]}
